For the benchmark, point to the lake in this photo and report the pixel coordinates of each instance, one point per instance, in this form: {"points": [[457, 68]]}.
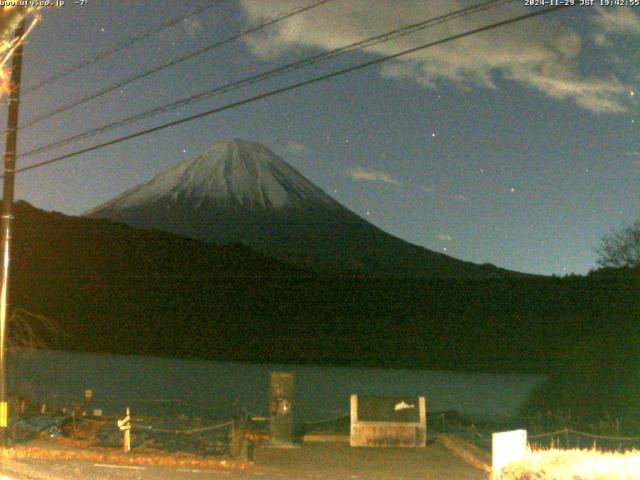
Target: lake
{"points": [[152, 384]]}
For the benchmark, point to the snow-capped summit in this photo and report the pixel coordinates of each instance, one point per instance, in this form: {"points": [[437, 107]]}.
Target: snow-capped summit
{"points": [[240, 191], [234, 174]]}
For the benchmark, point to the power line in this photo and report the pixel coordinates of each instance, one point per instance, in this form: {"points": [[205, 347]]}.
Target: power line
{"points": [[120, 46], [156, 69], [270, 74], [402, 31], [292, 87]]}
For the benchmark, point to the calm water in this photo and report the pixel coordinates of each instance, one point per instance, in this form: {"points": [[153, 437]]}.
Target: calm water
{"points": [[153, 385]]}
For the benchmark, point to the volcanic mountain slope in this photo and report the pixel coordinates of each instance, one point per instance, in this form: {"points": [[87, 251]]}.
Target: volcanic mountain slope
{"points": [[240, 191]]}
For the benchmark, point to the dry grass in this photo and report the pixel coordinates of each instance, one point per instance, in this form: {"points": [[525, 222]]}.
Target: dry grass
{"points": [[574, 465]]}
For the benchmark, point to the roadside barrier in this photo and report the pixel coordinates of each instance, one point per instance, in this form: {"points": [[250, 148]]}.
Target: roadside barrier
{"points": [[570, 438], [187, 431], [339, 423]]}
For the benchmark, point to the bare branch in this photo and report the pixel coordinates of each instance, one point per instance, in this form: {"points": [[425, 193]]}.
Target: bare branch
{"points": [[28, 331], [621, 248]]}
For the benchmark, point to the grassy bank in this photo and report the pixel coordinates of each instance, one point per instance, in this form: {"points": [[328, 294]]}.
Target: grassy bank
{"points": [[574, 464]]}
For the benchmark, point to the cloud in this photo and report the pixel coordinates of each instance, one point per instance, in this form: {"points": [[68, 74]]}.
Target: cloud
{"points": [[430, 189], [192, 25], [460, 198], [633, 154], [444, 237], [189, 28], [540, 53], [360, 174], [616, 20], [601, 39], [611, 22], [295, 148]]}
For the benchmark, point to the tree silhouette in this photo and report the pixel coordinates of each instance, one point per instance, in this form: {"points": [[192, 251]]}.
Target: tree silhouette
{"points": [[621, 249], [30, 331]]}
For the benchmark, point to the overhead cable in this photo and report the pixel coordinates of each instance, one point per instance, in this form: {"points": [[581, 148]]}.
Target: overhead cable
{"points": [[138, 76], [118, 47], [385, 37], [293, 86]]}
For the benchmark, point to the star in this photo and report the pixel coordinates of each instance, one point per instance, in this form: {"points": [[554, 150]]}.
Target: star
{"points": [[184, 150], [632, 93], [433, 135], [512, 189]]}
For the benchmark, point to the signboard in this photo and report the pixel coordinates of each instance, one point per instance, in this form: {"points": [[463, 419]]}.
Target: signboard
{"points": [[389, 409], [507, 447], [378, 421]]}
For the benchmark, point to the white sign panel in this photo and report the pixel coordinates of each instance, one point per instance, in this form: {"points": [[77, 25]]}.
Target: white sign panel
{"points": [[507, 447]]}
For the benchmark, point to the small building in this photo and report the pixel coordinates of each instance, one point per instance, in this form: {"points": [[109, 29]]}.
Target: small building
{"points": [[378, 421]]}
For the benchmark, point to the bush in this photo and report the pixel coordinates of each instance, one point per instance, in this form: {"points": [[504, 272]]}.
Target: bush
{"points": [[598, 380]]}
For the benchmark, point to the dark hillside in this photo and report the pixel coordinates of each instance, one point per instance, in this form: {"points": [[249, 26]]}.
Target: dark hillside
{"points": [[598, 379], [122, 290]]}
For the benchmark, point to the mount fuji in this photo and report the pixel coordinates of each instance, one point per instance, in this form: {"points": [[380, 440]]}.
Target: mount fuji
{"points": [[240, 191]]}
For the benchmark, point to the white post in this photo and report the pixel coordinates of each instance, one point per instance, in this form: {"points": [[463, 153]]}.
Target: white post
{"points": [[125, 426], [507, 447]]}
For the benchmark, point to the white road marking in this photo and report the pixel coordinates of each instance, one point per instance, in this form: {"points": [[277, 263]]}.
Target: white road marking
{"points": [[197, 470], [128, 467]]}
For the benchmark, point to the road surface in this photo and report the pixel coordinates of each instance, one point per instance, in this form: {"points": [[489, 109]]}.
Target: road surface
{"points": [[311, 462]]}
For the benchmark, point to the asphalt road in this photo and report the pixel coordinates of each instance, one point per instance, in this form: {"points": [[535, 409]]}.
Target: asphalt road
{"points": [[312, 462]]}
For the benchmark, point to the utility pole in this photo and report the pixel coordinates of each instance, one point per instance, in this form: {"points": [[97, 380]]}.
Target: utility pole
{"points": [[7, 220]]}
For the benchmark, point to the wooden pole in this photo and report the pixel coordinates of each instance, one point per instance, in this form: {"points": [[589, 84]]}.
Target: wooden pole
{"points": [[7, 221]]}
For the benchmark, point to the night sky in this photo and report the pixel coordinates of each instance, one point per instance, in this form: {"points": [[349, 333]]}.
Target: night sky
{"points": [[517, 146]]}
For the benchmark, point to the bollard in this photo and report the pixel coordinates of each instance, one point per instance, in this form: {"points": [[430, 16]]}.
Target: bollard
{"points": [[242, 445], [88, 398], [237, 437], [125, 426]]}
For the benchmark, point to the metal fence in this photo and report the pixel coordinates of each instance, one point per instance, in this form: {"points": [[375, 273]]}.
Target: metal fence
{"points": [[603, 436]]}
